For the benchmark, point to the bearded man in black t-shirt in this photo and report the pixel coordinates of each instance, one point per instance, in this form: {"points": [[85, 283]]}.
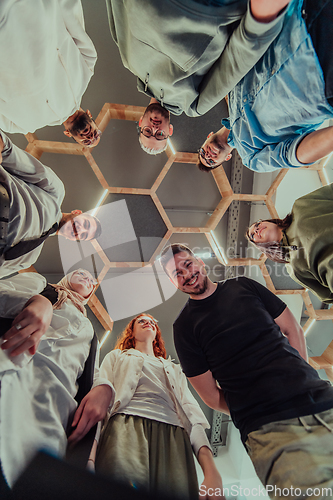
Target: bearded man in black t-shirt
{"points": [[241, 335]]}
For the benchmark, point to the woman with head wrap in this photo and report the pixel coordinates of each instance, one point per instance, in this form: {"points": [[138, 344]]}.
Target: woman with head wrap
{"points": [[154, 419], [303, 240], [42, 355]]}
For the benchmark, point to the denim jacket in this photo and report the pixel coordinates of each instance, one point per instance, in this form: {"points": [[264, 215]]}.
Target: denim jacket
{"points": [[280, 101]]}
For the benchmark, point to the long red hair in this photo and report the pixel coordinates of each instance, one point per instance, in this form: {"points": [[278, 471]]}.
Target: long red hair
{"points": [[126, 340]]}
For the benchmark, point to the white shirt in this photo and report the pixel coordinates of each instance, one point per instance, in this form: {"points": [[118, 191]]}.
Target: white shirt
{"points": [[37, 392], [47, 62], [152, 399], [123, 369]]}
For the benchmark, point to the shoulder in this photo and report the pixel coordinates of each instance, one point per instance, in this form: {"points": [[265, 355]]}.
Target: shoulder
{"points": [[113, 355], [183, 314]]}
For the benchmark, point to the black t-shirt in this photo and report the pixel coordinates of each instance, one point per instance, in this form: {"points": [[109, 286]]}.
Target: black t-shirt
{"points": [[233, 333]]}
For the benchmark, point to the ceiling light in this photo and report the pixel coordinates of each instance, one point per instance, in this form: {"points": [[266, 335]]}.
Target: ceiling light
{"points": [[105, 336], [171, 147], [308, 326], [94, 210]]}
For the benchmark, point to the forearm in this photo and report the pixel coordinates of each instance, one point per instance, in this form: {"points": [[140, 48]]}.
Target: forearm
{"points": [[266, 11], [315, 145], [217, 401], [297, 341], [211, 488], [210, 393], [245, 47], [206, 461], [290, 327]]}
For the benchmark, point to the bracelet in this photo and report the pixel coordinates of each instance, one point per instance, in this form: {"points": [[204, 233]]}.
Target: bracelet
{"points": [[91, 460]]}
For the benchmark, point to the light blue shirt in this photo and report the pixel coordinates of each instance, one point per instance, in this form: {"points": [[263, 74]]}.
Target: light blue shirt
{"points": [[280, 101]]}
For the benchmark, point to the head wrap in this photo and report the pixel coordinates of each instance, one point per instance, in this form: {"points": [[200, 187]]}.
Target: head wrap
{"points": [[66, 292]]}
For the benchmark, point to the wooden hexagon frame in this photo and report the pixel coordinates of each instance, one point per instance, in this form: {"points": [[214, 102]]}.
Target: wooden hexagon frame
{"points": [[109, 111]]}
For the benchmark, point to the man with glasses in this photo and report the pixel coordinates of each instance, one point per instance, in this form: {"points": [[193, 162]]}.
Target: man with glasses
{"points": [[154, 128], [215, 150], [276, 110], [31, 195], [187, 55]]}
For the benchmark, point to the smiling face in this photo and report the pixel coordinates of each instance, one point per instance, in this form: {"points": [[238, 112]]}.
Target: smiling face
{"points": [[187, 273], [82, 282], [144, 329], [264, 232], [155, 123], [78, 226], [215, 149]]}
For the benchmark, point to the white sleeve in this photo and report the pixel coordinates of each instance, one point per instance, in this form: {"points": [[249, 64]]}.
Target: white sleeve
{"points": [[72, 14], [22, 165], [101, 376], [198, 438], [16, 291]]}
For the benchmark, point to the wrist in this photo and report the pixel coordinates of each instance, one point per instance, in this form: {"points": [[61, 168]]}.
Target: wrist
{"points": [[38, 298]]}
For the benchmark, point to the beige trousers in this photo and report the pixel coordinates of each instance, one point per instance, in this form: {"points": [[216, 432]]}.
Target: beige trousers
{"points": [[294, 458]]}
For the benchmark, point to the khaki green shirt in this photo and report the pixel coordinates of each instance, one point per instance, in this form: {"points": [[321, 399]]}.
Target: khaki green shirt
{"points": [[185, 54], [311, 231]]}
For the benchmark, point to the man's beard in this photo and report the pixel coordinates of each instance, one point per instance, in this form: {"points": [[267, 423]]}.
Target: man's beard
{"points": [[200, 289], [154, 106]]}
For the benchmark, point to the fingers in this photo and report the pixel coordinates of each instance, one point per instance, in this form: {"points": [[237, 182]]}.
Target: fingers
{"points": [[80, 432], [28, 327], [78, 414], [30, 345], [16, 337], [84, 425]]}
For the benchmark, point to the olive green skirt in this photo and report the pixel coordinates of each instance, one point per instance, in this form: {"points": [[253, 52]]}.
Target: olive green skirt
{"points": [[148, 455]]}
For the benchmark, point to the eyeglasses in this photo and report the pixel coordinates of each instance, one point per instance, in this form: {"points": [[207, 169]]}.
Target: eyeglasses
{"points": [[209, 161], [86, 276], [159, 134], [142, 321], [256, 227]]}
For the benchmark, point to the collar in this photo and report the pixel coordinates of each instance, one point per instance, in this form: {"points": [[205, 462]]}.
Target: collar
{"points": [[139, 354]]}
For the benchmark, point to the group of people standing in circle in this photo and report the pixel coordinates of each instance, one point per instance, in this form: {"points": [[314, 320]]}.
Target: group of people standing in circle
{"points": [[238, 344]]}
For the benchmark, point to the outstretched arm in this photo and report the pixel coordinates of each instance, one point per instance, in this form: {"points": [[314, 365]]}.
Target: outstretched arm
{"points": [[315, 145], [22, 165], [210, 393], [245, 47], [293, 331]]}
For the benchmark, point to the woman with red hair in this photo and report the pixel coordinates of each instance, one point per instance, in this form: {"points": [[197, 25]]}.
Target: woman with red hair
{"points": [[154, 418]]}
